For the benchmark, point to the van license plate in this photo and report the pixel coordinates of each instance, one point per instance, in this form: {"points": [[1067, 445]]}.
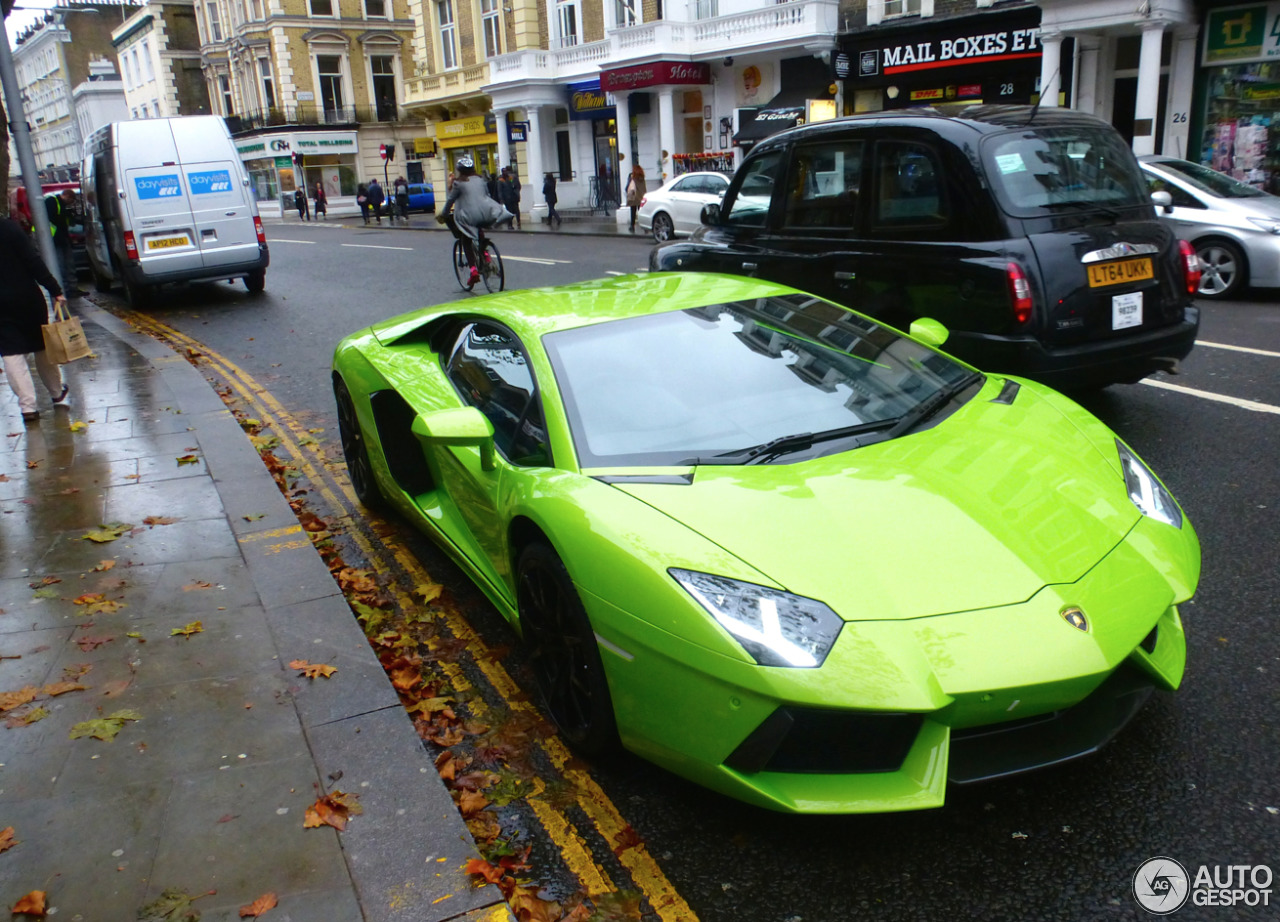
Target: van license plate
{"points": [[1126, 311], [1117, 273], [164, 243]]}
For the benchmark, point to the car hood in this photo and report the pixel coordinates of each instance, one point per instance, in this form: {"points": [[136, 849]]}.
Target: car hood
{"points": [[982, 510]]}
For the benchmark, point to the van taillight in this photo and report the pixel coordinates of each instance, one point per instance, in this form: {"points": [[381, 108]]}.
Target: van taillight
{"points": [[1190, 266], [257, 225], [1019, 292], [130, 247]]}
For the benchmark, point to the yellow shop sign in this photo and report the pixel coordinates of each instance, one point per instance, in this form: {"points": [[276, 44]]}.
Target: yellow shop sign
{"points": [[460, 127]]}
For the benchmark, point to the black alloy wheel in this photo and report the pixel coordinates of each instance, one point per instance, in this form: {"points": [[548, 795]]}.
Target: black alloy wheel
{"points": [[1222, 268], [663, 228], [354, 451], [563, 653]]}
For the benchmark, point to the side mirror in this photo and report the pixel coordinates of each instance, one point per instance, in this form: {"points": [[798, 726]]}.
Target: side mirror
{"points": [[1162, 200], [929, 331], [462, 426], [710, 214]]}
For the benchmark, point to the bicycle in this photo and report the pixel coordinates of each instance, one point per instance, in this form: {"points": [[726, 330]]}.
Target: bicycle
{"points": [[492, 272]]}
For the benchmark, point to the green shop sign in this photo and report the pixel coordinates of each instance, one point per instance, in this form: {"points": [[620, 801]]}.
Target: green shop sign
{"points": [[1242, 33]]}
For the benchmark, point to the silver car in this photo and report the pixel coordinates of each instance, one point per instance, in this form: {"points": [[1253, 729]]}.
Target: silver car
{"points": [[1234, 227]]}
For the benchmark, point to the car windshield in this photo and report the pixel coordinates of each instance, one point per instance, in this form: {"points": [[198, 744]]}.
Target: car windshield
{"points": [[1209, 181], [1049, 170], [733, 379]]}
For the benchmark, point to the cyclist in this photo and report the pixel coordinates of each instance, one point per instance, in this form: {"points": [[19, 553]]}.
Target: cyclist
{"points": [[468, 209]]}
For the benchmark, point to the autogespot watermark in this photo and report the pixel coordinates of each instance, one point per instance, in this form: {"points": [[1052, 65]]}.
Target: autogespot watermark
{"points": [[1162, 885]]}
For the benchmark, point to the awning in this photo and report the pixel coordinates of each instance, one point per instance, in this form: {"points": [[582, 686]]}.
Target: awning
{"points": [[779, 113]]}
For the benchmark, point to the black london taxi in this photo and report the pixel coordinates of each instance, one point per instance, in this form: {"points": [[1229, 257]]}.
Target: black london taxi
{"points": [[1028, 232]]}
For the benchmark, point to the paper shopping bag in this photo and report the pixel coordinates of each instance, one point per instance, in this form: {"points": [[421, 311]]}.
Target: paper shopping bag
{"points": [[64, 338]]}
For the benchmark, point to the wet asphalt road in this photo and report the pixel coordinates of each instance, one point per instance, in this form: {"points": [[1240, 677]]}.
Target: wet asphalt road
{"points": [[1195, 777]]}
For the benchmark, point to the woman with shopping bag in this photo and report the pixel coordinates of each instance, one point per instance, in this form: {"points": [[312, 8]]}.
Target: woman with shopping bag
{"points": [[23, 311]]}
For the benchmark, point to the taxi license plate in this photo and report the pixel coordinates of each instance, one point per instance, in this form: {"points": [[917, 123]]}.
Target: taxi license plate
{"points": [[1118, 273], [164, 243]]}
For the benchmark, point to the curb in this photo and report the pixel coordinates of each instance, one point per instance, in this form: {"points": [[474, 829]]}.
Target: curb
{"points": [[405, 855]]}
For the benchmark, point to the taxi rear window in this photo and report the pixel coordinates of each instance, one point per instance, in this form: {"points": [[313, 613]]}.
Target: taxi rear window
{"points": [[1050, 170]]}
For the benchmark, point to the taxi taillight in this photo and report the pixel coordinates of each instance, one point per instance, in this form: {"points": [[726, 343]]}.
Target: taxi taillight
{"points": [[257, 226], [130, 246], [1019, 293], [1190, 266]]}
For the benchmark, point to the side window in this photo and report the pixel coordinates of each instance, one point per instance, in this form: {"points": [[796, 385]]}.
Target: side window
{"points": [[910, 191], [490, 371], [824, 185], [750, 206], [1182, 198]]}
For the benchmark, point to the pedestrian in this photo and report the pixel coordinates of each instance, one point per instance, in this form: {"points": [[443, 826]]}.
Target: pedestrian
{"points": [[300, 203], [322, 202], [59, 208], [376, 198], [23, 310], [509, 193], [635, 192], [362, 199], [402, 198], [549, 196]]}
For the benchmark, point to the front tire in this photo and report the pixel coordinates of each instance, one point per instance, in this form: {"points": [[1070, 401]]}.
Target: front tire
{"points": [[563, 652], [663, 228], [354, 451], [1222, 269]]}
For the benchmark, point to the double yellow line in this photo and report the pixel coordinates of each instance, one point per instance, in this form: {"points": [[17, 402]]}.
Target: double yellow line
{"points": [[329, 479]]}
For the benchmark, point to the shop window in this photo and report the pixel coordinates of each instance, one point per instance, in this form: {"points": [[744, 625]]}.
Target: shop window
{"points": [[750, 205], [490, 15], [448, 35], [384, 86], [823, 188], [909, 189]]}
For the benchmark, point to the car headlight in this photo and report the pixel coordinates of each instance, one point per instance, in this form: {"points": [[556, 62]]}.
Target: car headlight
{"points": [[1270, 225], [1147, 493], [776, 628]]}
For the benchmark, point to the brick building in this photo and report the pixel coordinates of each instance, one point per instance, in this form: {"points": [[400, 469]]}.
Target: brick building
{"points": [[158, 48]]}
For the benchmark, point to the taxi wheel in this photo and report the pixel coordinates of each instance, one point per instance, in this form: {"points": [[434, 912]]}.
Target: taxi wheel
{"points": [[1222, 268], [663, 229], [563, 652]]}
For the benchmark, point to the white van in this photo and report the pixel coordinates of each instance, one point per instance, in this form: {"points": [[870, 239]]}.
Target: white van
{"points": [[167, 200]]}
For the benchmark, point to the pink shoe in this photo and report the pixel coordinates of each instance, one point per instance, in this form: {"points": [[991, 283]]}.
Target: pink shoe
{"points": [[475, 277]]}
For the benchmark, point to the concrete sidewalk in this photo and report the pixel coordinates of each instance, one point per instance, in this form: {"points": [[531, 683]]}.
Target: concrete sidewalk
{"points": [[221, 747]]}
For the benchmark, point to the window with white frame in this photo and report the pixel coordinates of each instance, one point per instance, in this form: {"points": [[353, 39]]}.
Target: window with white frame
{"points": [[382, 68], [255, 9], [491, 18], [448, 35], [268, 83], [375, 9], [321, 7], [214, 20], [147, 73], [224, 89], [329, 67], [626, 12], [880, 10], [568, 17]]}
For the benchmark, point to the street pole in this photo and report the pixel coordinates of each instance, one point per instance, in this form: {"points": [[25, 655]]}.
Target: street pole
{"points": [[27, 161]]}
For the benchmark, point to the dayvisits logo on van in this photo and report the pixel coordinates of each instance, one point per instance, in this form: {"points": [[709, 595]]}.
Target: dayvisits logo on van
{"points": [[210, 182], [157, 186]]}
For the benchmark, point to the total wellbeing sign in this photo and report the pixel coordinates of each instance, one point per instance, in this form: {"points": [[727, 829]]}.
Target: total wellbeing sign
{"points": [[164, 186], [1242, 33]]}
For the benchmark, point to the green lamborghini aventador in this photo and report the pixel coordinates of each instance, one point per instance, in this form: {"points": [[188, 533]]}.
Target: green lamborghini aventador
{"points": [[773, 545]]}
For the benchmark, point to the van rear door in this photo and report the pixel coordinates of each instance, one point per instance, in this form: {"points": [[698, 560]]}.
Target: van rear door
{"points": [[220, 205], [155, 197]]}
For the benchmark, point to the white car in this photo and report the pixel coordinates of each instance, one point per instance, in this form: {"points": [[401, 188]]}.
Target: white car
{"points": [[676, 208], [1234, 227]]}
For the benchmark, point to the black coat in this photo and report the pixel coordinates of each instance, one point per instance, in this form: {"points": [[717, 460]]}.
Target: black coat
{"points": [[549, 190], [22, 307]]}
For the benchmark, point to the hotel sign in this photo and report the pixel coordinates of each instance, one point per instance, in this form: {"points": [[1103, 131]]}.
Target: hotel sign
{"points": [[660, 73]]}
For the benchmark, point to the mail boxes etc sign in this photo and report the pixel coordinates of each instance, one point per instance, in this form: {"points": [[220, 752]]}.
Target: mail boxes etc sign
{"points": [[1240, 34]]}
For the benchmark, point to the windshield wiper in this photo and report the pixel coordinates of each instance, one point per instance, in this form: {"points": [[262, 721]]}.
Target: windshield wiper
{"points": [[929, 406], [787, 444]]}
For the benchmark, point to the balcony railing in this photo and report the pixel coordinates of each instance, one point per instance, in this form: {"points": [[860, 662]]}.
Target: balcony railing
{"points": [[301, 114]]}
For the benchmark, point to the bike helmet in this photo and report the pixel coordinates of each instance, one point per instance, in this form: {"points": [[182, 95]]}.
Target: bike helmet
{"points": [[465, 165]]}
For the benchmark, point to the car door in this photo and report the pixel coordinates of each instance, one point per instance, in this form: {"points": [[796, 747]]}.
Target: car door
{"points": [[741, 243], [489, 368], [219, 193], [1188, 213]]}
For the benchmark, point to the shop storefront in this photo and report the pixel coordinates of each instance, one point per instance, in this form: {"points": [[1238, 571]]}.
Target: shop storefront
{"points": [[590, 103], [683, 123], [272, 162], [475, 137], [806, 95], [990, 58], [1240, 93]]}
